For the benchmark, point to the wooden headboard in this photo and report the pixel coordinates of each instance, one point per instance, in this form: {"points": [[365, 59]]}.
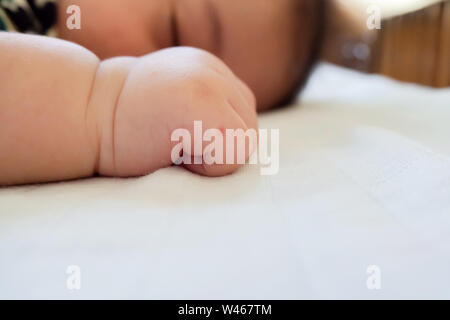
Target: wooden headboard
{"points": [[414, 47]]}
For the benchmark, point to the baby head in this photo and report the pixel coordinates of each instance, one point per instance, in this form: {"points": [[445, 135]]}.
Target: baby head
{"points": [[270, 44]]}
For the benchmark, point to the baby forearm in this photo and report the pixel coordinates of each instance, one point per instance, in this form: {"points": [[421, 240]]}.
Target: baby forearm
{"points": [[66, 115], [47, 130]]}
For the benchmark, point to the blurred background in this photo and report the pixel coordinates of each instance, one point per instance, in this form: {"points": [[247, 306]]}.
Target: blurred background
{"points": [[413, 44]]}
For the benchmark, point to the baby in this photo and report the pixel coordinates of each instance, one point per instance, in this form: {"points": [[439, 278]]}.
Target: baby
{"points": [[106, 101]]}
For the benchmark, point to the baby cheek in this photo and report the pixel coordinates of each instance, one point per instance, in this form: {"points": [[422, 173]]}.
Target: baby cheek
{"points": [[129, 41]]}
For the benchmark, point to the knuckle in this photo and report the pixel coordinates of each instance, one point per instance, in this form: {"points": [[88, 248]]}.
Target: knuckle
{"points": [[200, 84], [208, 60], [199, 55]]}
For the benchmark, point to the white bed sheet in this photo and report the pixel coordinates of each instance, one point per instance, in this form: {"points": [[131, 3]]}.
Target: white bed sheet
{"points": [[364, 180]]}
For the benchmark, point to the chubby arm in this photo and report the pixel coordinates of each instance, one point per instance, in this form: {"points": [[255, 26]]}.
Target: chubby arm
{"points": [[66, 115], [47, 130]]}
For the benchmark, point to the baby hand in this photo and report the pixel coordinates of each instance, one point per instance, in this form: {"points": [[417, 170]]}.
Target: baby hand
{"points": [[159, 93]]}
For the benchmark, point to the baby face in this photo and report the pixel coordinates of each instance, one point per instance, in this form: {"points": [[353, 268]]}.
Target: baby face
{"points": [[258, 39]]}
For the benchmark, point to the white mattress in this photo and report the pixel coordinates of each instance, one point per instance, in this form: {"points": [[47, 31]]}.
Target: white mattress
{"points": [[364, 180]]}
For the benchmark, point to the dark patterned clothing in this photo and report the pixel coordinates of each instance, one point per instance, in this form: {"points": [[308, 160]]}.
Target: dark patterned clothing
{"points": [[28, 16]]}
